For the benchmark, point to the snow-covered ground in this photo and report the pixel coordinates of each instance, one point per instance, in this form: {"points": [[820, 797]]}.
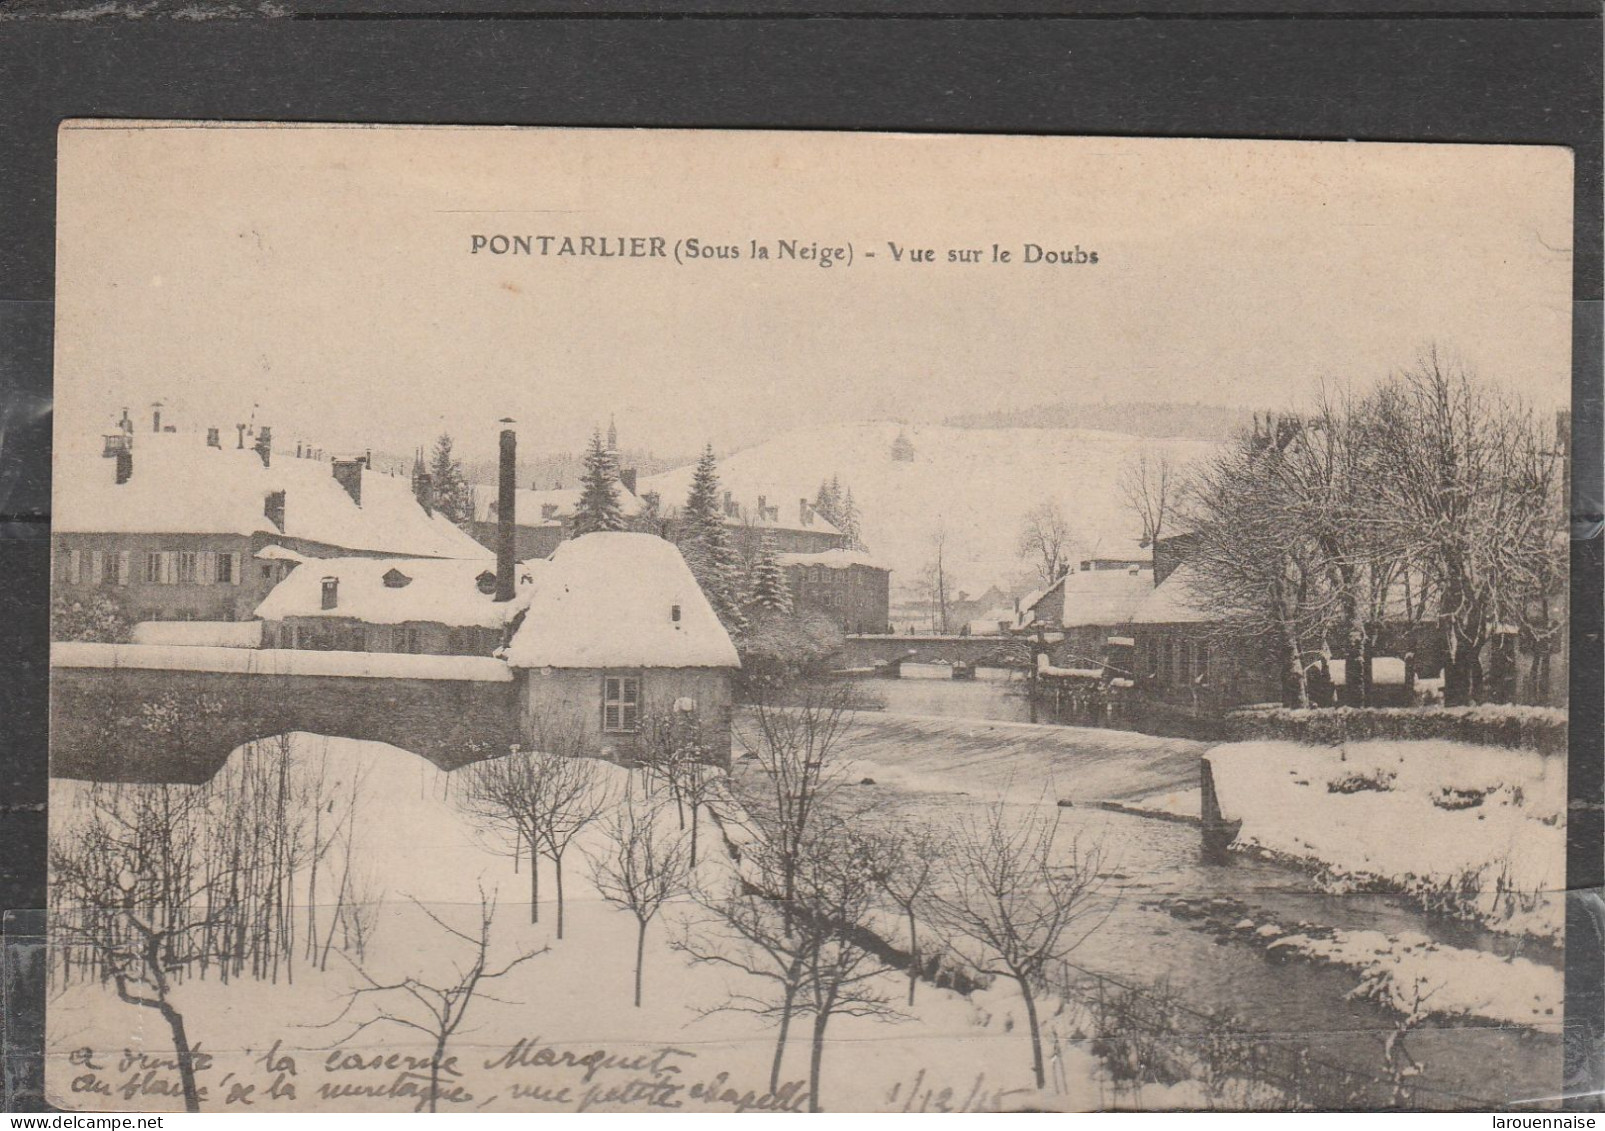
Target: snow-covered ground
{"points": [[584, 1044], [1474, 831]]}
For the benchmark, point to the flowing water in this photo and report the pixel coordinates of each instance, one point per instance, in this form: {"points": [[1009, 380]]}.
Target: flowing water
{"points": [[934, 773]]}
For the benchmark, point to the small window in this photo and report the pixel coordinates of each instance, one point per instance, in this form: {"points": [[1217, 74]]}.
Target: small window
{"points": [[621, 703]]}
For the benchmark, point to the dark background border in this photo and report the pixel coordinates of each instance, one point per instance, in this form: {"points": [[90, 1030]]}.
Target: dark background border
{"points": [[1460, 70]]}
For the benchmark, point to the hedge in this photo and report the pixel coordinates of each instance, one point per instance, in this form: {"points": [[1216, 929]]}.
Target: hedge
{"points": [[1533, 728]]}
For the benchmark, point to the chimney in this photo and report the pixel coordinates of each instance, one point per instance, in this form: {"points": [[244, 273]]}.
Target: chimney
{"points": [[298, 449], [125, 465], [156, 417], [331, 592], [125, 424], [240, 428], [627, 478], [423, 488], [763, 507], [348, 472], [805, 513], [505, 502], [273, 508], [264, 445], [214, 438]]}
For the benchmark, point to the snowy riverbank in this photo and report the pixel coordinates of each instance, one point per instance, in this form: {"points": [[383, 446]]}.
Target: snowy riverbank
{"points": [[1475, 832]]}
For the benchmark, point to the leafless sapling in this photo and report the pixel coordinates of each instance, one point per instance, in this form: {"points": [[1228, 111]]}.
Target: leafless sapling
{"points": [[904, 864], [436, 1011], [641, 867], [1012, 908]]}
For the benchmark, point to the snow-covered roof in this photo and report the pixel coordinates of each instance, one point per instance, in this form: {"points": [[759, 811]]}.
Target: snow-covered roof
{"points": [[608, 600], [181, 485], [832, 559], [273, 552], [435, 590], [1173, 601], [278, 661], [1098, 596], [529, 507]]}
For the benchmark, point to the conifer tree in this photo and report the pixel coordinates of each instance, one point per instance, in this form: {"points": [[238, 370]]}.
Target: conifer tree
{"points": [[598, 508], [849, 522], [453, 496], [769, 590], [705, 542]]}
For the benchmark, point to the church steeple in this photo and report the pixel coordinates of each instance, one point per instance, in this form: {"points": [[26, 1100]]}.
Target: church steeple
{"points": [[612, 434]]}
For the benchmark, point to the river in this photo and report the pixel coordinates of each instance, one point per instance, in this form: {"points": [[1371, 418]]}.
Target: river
{"points": [[936, 772]]}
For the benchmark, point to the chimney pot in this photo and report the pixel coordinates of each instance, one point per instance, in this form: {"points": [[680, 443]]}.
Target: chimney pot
{"points": [[214, 438], [331, 592], [240, 428], [156, 417], [264, 445], [804, 513]]}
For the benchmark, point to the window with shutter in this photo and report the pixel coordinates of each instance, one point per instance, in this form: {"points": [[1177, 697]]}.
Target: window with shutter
{"points": [[621, 697]]}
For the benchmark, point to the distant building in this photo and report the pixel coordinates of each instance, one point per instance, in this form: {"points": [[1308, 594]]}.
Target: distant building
{"points": [[618, 637], [419, 605], [1077, 609], [200, 527], [542, 520], [846, 585], [798, 530]]}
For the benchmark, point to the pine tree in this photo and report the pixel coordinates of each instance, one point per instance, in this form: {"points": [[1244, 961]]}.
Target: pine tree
{"points": [[598, 508], [903, 448], [453, 496], [769, 590], [849, 522], [705, 542]]}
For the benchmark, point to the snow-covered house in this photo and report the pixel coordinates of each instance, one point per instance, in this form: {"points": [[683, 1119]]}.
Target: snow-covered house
{"points": [[443, 607], [190, 526], [849, 586], [542, 519], [1082, 606], [616, 636]]}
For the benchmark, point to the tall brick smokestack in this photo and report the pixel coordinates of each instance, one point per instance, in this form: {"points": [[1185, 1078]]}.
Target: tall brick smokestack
{"points": [[505, 502]]}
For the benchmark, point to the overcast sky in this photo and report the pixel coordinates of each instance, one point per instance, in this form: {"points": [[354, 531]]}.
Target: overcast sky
{"points": [[325, 274]]}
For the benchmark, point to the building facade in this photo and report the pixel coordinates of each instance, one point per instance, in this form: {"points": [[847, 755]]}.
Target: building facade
{"points": [[845, 585]]}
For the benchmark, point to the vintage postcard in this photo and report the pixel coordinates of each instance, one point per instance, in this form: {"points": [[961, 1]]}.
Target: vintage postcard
{"points": [[705, 621]]}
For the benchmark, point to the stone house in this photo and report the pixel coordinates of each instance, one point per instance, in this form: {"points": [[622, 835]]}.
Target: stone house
{"points": [[441, 607], [846, 585], [543, 520], [180, 526], [616, 637]]}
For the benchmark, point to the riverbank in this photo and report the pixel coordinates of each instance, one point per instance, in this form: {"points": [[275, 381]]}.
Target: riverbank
{"points": [[1472, 832]]}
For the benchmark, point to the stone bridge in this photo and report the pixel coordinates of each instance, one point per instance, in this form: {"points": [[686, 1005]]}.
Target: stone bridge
{"points": [[149, 713], [862, 651]]}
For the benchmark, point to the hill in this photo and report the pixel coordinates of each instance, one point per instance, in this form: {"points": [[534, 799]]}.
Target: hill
{"points": [[976, 483], [1160, 420]]}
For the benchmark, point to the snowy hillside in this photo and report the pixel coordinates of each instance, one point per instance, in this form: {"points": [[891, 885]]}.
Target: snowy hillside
{"points": [[977, 482]]}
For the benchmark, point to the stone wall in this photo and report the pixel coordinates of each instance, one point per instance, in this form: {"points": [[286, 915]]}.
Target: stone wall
{"points": [[135, 724]]}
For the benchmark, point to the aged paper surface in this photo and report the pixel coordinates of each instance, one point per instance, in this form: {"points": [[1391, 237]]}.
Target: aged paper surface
{"points": [[583, 620]]}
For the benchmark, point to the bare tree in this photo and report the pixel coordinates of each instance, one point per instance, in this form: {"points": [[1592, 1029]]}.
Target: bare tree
{"points": [[575, 795], [1148, 486], [642, 867], [836, 895], [436, 1011], [1045, 539], [130, 891], [811, 950], [1013, 908], [538, 800], [904, 863], [1471, 480], [674, 756], [938, 580], [796, 746], [755, 935]]}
